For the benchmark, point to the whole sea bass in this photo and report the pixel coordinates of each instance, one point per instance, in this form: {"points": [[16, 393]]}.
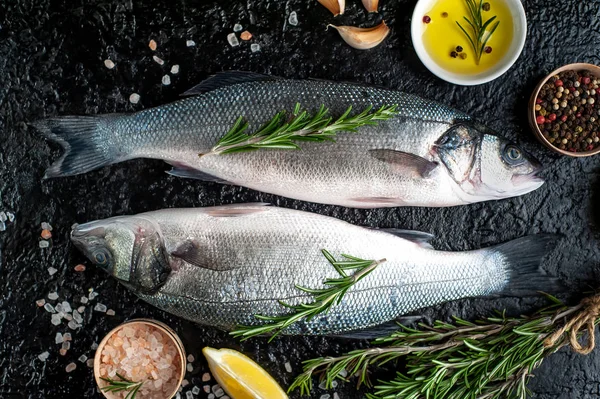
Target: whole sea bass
{"points": [[222, 265], [428, 155]]}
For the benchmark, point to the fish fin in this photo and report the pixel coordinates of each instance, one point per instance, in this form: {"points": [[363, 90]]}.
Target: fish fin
{"points": [[235, 210], [224, 79], [191, 173], [418, 237], [522, 258], [191, 251], [404, 162], [82, 141]]}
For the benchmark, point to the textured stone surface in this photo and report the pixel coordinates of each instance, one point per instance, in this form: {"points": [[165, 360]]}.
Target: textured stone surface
{"points": [[52, 63]]}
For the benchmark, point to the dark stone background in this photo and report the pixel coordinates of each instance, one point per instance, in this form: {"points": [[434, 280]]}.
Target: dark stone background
{"points": [[51, 63]]}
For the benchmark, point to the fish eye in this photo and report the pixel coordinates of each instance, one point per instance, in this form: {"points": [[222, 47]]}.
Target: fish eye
{"points": [[101, 257], [513, 155]]}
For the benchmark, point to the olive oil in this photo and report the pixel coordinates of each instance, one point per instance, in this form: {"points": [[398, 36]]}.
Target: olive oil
{"points": [[442, 35]]}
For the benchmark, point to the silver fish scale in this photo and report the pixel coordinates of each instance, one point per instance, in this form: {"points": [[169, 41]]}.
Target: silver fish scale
{"points": [[253, 261], [343, 172]]}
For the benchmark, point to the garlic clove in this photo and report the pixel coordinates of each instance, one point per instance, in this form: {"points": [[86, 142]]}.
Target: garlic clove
{"points": [[363, 38], [371, 5], [335, 6]]}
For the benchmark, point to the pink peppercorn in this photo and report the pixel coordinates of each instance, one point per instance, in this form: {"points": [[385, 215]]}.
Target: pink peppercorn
{"points": [[558, 83], [552, 117], [540, 120], [426, 19]]}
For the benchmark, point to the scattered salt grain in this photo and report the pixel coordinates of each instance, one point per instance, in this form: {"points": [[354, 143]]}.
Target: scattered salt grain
{"points": [[40, 302], [46, 226], [334, 384], [79, 268], [189, 395], [219, 392], [59, 338], [190, 43], [158, 60], [293, 19], [175, 69], [206, 388], [254, 47], [52, 271], [205, 377], [11, 216], [70, 367], [2, 226], [94, 346], [211, 396], [100, 307], [44, 244], [152, 45], [336, 396], [90, 363], [81, 309], [189, 368], [43, 356], [67, 316], [53, 296], [46, 234], [185, 383], [73, 325], [191, 358], [66, 307], [84, 299], [233, 40], [195, 390], [326, 396], [49, 308], [343, 373], [77, 317], [237, 28], [67, 336], [63, 352], [109, 64], [288, 367], [59, 308], [134, 98], [166, 80], [93, 294], [322, 385], [66, 345], [3, 216], [245, 35], [82, 358]]}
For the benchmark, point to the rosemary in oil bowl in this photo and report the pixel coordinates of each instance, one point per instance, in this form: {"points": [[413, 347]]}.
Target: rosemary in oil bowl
{"points": [[468, 36]]}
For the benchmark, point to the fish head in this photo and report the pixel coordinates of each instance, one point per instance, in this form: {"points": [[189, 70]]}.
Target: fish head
{"points": [[485, 165], [129, 248]]}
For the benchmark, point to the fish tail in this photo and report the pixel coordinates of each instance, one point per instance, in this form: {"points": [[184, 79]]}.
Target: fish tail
{"points": [[83, 139], [520, 260]]}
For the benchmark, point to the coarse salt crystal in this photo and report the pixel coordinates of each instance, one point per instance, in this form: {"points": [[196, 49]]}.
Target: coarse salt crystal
{"points": [[175, 69], [152, 45], [237, 28], [158, 60], [293, 19], [343, 373], [73, 325], [77, 317], [40, 302], [66, 345], [79, 268], [334, 384], [195, 390], [49, 308], [326, 396], [59, 308], [52, 271], [190, 43], [166, 80], [46, 234], [254, 47], [288, 367], [189, 395], [84, 299], [44, 244], [90, 363], [185, 383], [109, 64], [205, 377], [46, 226], [189, 368], [94, 346], [81, 309], [134, 98], [62, 352], [206, 388], [233, 40], [67, 336], [43, 356], [58, 339], [336, 396], [100, 307], [323, 385], [66, 307], [11, 216], [219, 392], [190, 358], [70, 367], [2, 226], [211, 396], [82, 358], [3, 216]]}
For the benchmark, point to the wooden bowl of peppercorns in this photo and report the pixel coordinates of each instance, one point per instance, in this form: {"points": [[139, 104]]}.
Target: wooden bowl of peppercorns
{"points": [[564, 110]]}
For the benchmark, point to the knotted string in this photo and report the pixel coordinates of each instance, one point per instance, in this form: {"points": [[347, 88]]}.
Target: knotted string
{"points": [[585, 319]]}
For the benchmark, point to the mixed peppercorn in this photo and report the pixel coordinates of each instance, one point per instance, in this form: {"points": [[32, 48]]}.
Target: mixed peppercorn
{"points": [[567, 111]]}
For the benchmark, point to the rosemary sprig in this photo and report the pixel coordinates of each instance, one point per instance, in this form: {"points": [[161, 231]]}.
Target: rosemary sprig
{"points": [[490, 359], [123, 384], [282, 132], [478, 38], [324, 298]]}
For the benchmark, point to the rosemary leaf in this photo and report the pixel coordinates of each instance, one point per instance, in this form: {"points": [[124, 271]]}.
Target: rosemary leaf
{"points": [[478, 37], [122, 384]]}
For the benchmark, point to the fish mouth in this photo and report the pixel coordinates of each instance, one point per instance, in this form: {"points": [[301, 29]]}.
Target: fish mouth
{"points": [[83, 234], [528, 182]]}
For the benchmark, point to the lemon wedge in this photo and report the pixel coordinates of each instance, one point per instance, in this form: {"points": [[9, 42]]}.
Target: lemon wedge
{"points": [[240, 376]]}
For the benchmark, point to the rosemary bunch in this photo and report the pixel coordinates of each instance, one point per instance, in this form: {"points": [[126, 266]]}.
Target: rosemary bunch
{"points": [[281, 132], [490, 359], [122, 384], [478, 37], [324, 298]]}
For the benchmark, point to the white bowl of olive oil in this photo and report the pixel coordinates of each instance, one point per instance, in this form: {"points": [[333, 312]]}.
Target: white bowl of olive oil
{"points": [[468, 42]]}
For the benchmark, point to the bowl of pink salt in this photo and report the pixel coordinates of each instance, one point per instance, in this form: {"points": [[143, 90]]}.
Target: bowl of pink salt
{"points": [[141, 358]]}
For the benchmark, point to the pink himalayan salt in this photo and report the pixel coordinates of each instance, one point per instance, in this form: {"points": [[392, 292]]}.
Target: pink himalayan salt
{"points": [[142, 353]]}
